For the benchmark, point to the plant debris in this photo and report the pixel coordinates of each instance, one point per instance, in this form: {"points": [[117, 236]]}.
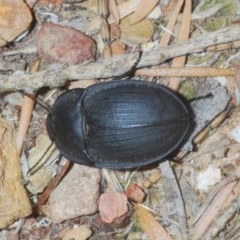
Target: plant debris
{"points": [[48, 46], [14, 201]]}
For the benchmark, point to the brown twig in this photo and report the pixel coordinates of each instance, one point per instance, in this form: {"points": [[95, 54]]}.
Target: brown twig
{"points": [[26, 115], [118, 65], [185, 72], [44, 197]]}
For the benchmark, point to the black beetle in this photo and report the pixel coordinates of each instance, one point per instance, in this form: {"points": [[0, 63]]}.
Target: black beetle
{"points": [[119, 124]]}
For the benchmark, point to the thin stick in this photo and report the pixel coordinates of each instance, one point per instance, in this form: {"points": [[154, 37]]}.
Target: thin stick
{"points": [[118, 65], [44, 197], [26, 115], [171, 23], [185, 72]]}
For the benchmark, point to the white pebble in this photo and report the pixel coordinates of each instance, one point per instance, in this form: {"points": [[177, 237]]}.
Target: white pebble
{"points": [[209, 177]]}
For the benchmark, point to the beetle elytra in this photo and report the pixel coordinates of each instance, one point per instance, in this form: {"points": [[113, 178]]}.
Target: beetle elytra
{"points": [[119, 124]]}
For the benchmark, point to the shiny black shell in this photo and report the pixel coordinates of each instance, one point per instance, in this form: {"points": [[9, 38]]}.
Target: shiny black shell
{"points": [[118, 124]]}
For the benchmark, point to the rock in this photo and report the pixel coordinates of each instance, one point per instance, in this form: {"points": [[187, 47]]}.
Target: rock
{"points": [[64, 44], [76, 195], [14, 201], [15, 18], [78, 233], [208, 108], [112, 206], [209, 177], [135, 193]]}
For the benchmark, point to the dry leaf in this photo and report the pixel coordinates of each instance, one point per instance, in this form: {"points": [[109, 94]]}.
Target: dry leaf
{"points": [[82, 232], [14, 202], [138, 33], [124, 9], [42, 177], [143, 9], [150, 225], [211, 212], [113, 9]]}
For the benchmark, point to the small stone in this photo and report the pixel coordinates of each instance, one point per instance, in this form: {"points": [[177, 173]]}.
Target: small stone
{"points": [[135, 193], [15, 18], [76, 195], [64, 44], [78, 233], [14, 200], [209, 177], [112, 206]]}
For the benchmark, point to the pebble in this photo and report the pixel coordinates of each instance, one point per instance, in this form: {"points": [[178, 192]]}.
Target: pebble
{"points": [[15, 19], [135, 193], [112, 206], [76, 195], [63, 44]]}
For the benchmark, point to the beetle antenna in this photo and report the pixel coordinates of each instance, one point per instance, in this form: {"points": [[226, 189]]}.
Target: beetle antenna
{"points": [[128, 73], [200, 97], [37, 101]]}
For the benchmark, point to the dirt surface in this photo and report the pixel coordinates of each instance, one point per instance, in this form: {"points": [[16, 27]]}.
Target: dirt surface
{"points": [[50, 46]]}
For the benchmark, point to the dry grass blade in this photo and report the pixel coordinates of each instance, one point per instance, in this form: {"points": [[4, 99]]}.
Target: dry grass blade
{"points": [[124, 9], [143, 9], [26, 115], [212, 210], [52, 185], [237, 78], [25, 119], [150, 225], [214, 193], [230, 209], [185, 72], [166, 36], [183, 35], [113, 9], [112, 180]]}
